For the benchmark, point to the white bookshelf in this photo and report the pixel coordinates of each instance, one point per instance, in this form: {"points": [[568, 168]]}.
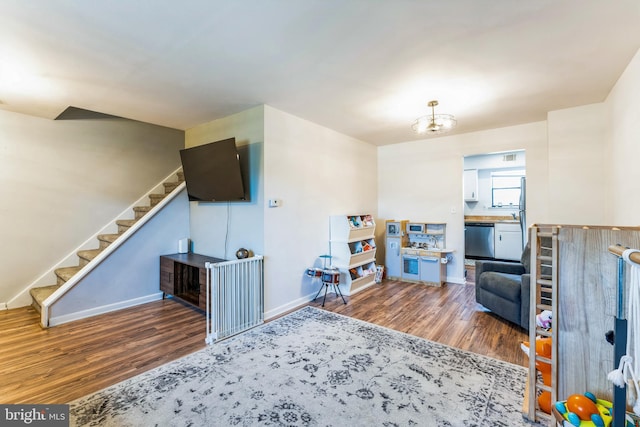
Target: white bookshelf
{"points": [[353, 250]]}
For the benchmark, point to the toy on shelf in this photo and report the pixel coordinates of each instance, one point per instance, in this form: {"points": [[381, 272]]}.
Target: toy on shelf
{"points": [[586, 411], [355, 222], [543, 348], [543, 319]]}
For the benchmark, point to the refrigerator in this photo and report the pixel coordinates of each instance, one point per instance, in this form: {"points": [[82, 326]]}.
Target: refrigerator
{"points": [[522, 212]]}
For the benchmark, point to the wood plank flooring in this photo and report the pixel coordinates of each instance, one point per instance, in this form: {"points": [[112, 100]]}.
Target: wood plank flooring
{"points": [[448, 315], [59, 364], [66, 362]]}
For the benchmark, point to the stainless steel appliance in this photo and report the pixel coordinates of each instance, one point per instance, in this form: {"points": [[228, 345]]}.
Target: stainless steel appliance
{"points": [[479, 240], [522, 213], [410, 267]]}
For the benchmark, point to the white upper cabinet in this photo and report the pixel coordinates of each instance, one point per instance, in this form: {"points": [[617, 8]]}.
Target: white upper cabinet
{"points": [[470, 182]]}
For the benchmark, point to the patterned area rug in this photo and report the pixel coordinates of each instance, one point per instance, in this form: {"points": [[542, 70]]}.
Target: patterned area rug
{"points": [[316, 368]]}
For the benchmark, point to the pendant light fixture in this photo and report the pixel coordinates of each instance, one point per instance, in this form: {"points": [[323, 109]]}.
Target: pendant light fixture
{"points": [[434, 123]]}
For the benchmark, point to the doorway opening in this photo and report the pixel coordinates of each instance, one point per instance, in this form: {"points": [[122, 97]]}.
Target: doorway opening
{"points": [[495, 222]]}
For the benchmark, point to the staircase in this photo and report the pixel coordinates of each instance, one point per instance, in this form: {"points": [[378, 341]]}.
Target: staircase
{"points": [[85, 257]]}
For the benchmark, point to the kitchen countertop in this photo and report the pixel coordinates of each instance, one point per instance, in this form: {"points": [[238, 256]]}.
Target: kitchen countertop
{"points": [[491, 219]]}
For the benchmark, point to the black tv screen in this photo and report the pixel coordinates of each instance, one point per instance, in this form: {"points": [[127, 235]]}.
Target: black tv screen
{"points": [[212, 172]]}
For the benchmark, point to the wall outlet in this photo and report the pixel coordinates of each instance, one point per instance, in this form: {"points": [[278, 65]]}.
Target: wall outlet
{"points": [[274, 203], [453, 210]]}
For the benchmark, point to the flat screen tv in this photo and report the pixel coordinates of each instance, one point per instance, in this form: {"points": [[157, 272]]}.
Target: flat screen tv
{"points": [[212, 172]]}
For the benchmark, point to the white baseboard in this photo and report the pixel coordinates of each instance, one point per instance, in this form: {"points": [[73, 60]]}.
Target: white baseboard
{"points": [[308, 298], [456, 280], [66, 318], [3, 306], [289, 306]]}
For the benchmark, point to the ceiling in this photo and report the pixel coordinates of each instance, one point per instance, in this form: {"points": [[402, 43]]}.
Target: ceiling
{"points": [[365, 68]]}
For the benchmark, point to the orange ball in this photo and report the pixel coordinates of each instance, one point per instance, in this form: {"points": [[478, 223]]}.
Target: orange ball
{"points": [[582, 406], [544, 401]]}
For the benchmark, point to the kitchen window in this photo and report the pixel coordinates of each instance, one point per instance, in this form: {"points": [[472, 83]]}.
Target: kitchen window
{"points": [[505, 188]]}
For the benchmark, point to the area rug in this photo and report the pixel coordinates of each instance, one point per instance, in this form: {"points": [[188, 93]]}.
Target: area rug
{"points": [[316, 368]]}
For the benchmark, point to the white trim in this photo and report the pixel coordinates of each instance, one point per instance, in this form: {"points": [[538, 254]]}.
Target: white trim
{"points": [[306, 299], [289, 306], [59, 320], [3, 306], [23, 298], [456, 280]]}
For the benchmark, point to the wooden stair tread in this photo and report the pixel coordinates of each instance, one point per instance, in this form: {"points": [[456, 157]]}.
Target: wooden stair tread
{"points": [[89, 254], [66, 273], [42, 293], [170, 186], [108, 237], [156, 198]]}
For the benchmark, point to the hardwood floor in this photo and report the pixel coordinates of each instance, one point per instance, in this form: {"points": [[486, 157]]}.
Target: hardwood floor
{"points": [[57, 365], [60, 364], [448, 315]]}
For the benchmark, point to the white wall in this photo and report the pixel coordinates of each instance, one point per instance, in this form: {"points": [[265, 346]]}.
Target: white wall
{"points": [[569, 180], [577, 170], [623, 147], [422, 180], [62, 181], [316, 172]]}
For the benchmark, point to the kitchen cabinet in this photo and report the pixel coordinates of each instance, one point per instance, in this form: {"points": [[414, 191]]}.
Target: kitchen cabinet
{"points": [[353, 250], [508, 241], [470, 185]]}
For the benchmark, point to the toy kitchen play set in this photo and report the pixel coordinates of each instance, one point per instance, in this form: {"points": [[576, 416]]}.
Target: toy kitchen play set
{"points": [[416, 252]]}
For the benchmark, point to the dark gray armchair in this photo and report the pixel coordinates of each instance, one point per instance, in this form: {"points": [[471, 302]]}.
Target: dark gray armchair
{"points": [[503, 288]]}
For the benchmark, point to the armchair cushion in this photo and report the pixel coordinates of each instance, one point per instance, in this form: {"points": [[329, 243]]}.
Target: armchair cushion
{"points": [[503, 285], [503, 288], [498, 267]]}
